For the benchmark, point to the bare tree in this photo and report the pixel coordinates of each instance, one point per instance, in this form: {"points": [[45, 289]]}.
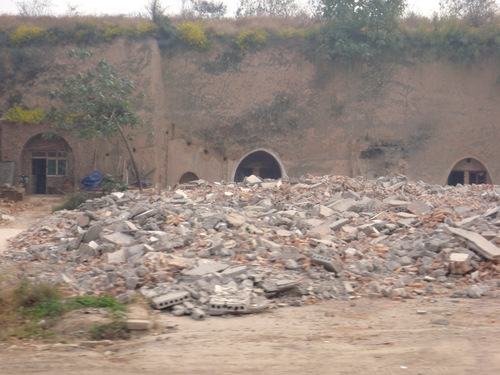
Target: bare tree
{"points": [[474, 12], [277, 8], [156, 11], [72, 9], [208, 8], [34, 7]]}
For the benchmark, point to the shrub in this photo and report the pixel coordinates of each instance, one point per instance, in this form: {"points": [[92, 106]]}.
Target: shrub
{"points": [[146, 29], [113, 183], [81, 302], [193, 35], [24, 35], [111, 33], [115, 330], [72, 202], [251, 39], [87, 33], [28, 295], [18, 115], [293, 34]]}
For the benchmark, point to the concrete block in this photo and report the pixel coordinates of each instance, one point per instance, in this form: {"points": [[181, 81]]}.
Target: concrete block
{"points": [[460, 263], [116, 257], [220, 306], [82, 221], [139, 324], [329, 263], [338, 224], [325, 211], [198, 314], [171, 299], [251, 180], [235, 220]]}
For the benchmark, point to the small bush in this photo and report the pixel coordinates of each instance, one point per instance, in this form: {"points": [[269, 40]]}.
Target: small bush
{"points": [[24, 35], [28, 295], [251, 39], [116, 330], [146, 29], [293, 34], [112, 183], [192, 35], [71, 203], [30, 309], [18, 115], [87, 33], [81, 302]]}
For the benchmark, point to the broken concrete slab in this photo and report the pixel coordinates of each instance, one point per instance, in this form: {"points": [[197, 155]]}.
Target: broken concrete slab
{"points": [[206, 266], [117, 238], [477, 242], [92, 233]]}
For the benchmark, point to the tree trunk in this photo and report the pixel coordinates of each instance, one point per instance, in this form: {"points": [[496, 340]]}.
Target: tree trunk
{"points": [[132, 159]]}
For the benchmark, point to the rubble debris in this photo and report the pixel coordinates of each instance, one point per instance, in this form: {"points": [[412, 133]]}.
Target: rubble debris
{"points": [[214, 248]]}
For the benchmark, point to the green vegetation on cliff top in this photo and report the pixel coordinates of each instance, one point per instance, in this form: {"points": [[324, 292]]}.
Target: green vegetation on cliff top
{"points": [[352, 38]]}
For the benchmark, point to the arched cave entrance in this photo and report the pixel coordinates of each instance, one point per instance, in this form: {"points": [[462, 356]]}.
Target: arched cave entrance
{"points": [[48, 162], [188, 177], [259, 163], [469, 171]]}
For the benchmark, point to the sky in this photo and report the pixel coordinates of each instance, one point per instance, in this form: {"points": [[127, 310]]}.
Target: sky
{"points": [[134, 7]]}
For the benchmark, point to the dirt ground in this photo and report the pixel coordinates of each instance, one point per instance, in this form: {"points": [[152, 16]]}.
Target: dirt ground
{"points": [[425, 335]]}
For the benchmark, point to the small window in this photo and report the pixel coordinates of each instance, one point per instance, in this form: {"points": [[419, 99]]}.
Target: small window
{"points": [[51, 167], [38, 154], [56, 164], [61, 167]]}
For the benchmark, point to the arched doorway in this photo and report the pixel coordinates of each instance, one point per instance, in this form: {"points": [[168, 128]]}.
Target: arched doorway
{"points": [[188, 177], [469, 171], [48, 161], [259, 163]]}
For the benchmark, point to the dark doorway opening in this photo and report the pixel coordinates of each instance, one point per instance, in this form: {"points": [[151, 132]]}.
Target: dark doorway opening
{"points": [[468, 171], [455, 178], [48, 161], [188, 177], [259, 163], [39, 175]]}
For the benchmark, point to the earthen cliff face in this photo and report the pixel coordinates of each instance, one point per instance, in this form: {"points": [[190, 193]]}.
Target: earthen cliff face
{"points": [[215, 121]]}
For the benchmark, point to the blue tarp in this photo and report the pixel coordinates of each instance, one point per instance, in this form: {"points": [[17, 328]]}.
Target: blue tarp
{"points": [[93, 180]]}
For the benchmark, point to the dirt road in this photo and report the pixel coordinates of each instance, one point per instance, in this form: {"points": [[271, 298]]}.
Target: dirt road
{"points": [[424, 335], [362, 337]]}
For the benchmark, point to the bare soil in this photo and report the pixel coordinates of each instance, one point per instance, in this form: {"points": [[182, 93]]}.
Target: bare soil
{"points": [[425, 335]]}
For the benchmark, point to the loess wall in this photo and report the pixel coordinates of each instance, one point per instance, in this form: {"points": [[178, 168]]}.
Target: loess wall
{"points": [[207, 110]]}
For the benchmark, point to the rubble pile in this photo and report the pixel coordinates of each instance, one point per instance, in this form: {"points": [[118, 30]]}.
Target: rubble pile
{"points": [[218, 248]]}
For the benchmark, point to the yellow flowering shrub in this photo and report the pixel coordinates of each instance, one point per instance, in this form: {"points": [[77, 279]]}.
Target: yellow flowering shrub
{"points": [[193, 35], [144, 29], [24, 34], [17, 115], [251, 39]]}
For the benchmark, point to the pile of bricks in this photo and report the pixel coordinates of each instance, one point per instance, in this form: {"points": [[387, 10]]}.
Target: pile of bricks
{"points": [[218, 248]]}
